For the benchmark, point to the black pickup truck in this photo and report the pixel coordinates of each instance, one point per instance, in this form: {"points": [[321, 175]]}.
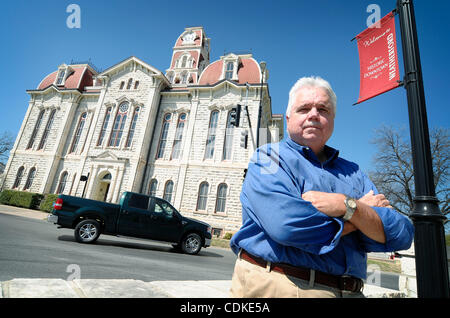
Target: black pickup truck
{"points": [[136, 215]]}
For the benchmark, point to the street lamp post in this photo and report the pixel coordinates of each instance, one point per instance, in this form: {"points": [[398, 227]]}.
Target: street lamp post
{"points": [[429, 240]]}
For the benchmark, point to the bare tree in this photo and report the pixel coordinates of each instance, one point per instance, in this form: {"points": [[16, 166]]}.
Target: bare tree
{"points": [[6, 143], [393, 172]]}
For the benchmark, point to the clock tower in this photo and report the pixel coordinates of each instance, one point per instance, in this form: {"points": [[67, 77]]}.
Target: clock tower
{"points": [[189, 58]]}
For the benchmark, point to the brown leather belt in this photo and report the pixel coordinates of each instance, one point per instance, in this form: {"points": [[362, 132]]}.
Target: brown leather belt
{"points": [[346, 283]]}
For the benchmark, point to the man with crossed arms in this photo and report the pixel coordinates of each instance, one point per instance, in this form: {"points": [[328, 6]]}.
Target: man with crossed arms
{"points": [[309, 217]]}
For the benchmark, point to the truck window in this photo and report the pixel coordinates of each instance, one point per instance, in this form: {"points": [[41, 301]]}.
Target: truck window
{"points": [[138, 201], [163, 207]]}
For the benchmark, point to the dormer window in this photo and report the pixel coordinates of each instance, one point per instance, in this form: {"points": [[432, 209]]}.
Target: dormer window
{"points": [[63, 72], [61, 75], [229, 71], [230, 67]]}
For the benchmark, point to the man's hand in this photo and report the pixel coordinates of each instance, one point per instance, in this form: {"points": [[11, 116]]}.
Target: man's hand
{"points": [[332, 204], [378, 200]]}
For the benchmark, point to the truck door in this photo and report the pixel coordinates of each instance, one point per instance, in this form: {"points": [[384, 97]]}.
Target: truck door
{"points": [[166, 222], [134, 216]]}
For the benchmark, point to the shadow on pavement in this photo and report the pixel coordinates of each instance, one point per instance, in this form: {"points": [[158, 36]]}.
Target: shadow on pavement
{"points": [[141, 246]]}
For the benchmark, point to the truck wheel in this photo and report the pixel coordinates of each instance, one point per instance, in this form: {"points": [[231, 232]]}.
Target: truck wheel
{"points": [[191, 244], [87, 231]]}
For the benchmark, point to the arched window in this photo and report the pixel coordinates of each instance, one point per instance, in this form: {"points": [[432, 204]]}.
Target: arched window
{"points": [[183, 61], [152, 187], [229, 71], [19, 176], [168, 189], [30, 179], [136, 85], [62, 183], [210, 141], [78, 132], [176, 149], [228, 142], [48, 127], [221, 197], [36, 129], [104, 126], [163, 136], [119, 123], [202, 196], [132, 127]]}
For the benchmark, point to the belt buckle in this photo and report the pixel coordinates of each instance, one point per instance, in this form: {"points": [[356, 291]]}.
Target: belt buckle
{"points": [[344, 284]]}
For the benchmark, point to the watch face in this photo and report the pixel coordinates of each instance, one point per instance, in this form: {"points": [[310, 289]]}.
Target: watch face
{"points": [[352, 203]]}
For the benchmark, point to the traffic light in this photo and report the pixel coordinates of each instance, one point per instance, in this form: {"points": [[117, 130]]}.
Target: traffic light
{"points": [[244, 138], [235, 115]]}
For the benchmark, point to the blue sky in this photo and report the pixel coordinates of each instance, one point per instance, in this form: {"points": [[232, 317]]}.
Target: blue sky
{"points": [[295, 38]]}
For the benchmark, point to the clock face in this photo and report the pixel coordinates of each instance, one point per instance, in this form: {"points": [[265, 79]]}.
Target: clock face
{"points": [[189, 38]]}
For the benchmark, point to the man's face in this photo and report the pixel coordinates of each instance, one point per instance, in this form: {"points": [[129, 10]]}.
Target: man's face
{"points": [[311, 120]]}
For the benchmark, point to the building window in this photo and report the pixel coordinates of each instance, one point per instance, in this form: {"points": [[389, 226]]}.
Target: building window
{"points": [[229, 71], [36, 129], [47, 130], [130, 81], [170, 77], [202, 196], [119, 123], [79, 130], [210, 141], [184, 77], [30, 179], [152, 187], [132, 127], [168, 190], [62, 183], [19, 176], [183, 61], [104, 126], [136, 84], [60, 78], [176, 149], [221, 197], [122, 84], [163, 136], [228, 142]]}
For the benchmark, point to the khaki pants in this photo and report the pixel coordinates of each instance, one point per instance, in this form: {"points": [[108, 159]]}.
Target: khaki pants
{"points": [[253, 281]]}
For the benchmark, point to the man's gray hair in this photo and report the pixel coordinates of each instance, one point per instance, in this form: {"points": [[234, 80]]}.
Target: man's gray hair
{"points": [[313, 81]]}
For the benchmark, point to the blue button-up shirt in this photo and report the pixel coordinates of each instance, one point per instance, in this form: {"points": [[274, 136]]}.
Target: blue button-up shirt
{"points": [[279, 226]]}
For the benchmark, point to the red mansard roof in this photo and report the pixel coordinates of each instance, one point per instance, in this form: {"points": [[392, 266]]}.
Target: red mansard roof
{"points": [[248, 72], [80, 77]]}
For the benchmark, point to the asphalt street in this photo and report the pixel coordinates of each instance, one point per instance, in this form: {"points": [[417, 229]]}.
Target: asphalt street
{"points": [[34, 248], [31, 248]]}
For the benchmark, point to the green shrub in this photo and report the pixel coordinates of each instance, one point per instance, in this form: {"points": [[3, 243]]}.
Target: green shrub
{"points": [[228, 236], [21, 199], [47, 202], [5, 196]]}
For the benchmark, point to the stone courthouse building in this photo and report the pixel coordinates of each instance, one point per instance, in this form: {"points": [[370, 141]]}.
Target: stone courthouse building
{"points": [[135, 128]]}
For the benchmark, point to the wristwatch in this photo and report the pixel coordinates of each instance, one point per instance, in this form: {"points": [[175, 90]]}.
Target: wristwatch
{"points": [[350, 204]]}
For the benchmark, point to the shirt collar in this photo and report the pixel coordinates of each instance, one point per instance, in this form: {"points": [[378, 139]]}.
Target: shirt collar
{"points": [[331, 153]]}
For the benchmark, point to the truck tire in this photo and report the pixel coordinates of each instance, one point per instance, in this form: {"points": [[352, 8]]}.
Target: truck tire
{"points": [[191, 244], [87, 231]]}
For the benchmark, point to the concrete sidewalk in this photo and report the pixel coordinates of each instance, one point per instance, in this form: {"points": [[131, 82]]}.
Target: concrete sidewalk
{"points": [[129, 288]]}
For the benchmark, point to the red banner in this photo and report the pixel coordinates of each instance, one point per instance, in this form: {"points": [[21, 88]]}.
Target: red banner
{"points": [[378, 59]]}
